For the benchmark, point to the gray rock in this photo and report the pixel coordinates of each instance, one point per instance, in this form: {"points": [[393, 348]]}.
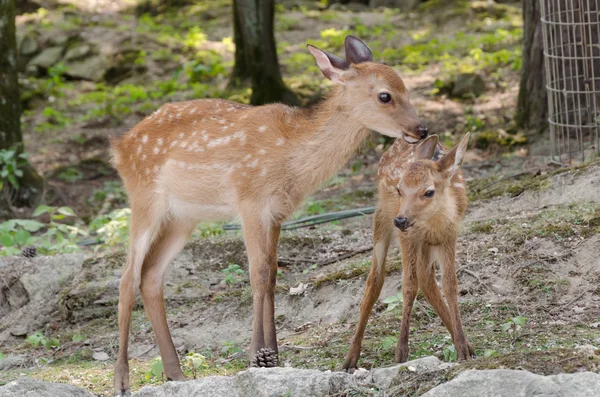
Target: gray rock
{"points": [[211, 386], [77, 52], [47, 58], [513, 383], [385, 377], [92, 68], [11, 362], [292, 382], [257, 382], [27, 306], [467, 84], [36, 388], [29, 46]]}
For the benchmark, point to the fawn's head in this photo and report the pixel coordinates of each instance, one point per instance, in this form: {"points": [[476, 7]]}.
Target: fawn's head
{"points": [[374, 93], [422, 187]]}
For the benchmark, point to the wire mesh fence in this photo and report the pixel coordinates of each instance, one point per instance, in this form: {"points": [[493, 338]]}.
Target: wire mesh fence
{"points": [[571, 30]]}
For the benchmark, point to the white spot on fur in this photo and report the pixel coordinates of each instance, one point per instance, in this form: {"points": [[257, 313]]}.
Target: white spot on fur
{"points": [[280, 142], [261, 151], [247, 157], [219, 141], [262, 128], [181, 135], [173, 143], [139, 149], [156, 150], [183, 144], [143, 157], [145, 139], [241, 135], [263, 172], [159, 142], [252, 164]]}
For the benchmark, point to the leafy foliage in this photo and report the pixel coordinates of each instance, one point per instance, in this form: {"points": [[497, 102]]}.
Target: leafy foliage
{"points": [[12, 165], [393, 301], [233, 274], [38, 339], [57, 237], [112, 228]]}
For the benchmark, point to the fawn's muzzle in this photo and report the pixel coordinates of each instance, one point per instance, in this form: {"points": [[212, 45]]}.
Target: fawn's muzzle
{"points": [[423, 131], [401, 222]]}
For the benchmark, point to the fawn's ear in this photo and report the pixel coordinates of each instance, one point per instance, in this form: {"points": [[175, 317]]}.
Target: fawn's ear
{"points": [[332, 66], [357, 51], [426, 149], [452, 161]]}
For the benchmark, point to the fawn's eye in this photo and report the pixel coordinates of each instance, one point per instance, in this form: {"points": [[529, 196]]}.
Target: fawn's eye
{"points": [[384, 97], [429, 193]]}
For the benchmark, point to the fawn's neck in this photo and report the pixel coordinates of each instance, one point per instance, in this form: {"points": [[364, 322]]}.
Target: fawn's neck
{"points": [[329, 138]]}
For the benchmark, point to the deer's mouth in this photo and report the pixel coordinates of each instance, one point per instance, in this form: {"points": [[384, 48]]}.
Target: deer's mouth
{"points": [[410, 139]]}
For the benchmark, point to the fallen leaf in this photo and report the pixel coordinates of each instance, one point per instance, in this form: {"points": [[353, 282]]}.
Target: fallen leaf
{"points": [[299, 290]]}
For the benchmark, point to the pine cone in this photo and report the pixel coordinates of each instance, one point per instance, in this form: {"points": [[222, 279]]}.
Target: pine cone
{"points": [[266, 358], [29, 252]]}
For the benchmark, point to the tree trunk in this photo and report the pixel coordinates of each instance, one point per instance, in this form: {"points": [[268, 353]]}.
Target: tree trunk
{"points": [[259, 53], [239, 75], [532, 104], [10, 108]]}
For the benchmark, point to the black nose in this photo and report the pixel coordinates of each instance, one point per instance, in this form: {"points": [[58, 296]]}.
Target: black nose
{"points": [[401, 222], [423, 131]]}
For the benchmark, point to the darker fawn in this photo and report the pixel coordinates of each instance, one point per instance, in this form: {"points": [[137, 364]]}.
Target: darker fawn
{"points": [[423, 198], [216, 159]]}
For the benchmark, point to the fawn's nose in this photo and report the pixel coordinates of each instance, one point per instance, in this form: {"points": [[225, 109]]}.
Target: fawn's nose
{"points": [[401, 222], [423, 131]]}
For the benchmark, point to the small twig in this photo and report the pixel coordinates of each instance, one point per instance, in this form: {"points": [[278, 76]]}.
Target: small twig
{"points": [[519, 337], [571, 301], [297, 348], [345, 256], [470, 273]]}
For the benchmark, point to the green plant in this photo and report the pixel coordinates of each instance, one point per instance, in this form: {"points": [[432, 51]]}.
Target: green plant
{"points": [[2, 356], [70, 175], [230, 348], [312, 267], [387, 343], [195, 362], [514, 325], [12, 164], [156, 369], [57, 237], [450, 354], [112, 228], [232, 273], [393, 301], [207, 66], [54, 119], [78, 338], [38, 339]]}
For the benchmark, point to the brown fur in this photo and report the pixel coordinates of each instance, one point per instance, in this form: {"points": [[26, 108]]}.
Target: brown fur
{"points": [[216, 159], [405, 173]]}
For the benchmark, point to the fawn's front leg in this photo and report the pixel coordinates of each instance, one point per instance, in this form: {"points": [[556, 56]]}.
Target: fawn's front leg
{"points": [[450, 287], [410, 287], [382, 236], [261, 246]]}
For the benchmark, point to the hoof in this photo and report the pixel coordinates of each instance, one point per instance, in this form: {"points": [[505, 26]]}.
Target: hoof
{"points": [[265, 358], [122, 393]]}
